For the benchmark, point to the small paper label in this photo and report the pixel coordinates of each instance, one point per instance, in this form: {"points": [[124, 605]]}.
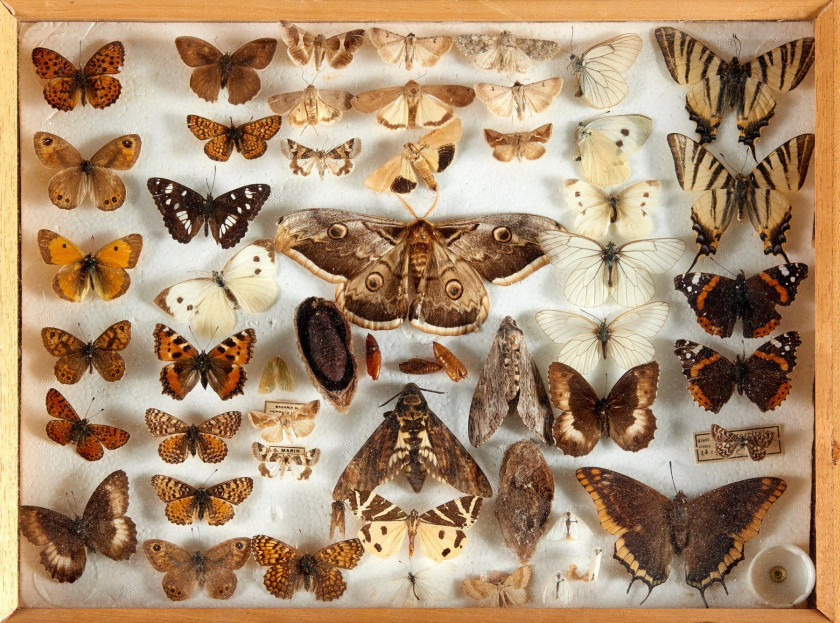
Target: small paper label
{"points": [[704, 445], [274, 452], [282, 407]]}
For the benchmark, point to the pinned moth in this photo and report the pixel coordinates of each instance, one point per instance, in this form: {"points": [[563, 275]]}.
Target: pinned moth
{"points": [[510, 382], [412, 441], [505, 51], [519, 145], [433, 153], [518, 99], [276, 376], [526, 491], [441, 530], [413, 105], [394, 48], [502, 590], [326, 348], [338, 160], [305, 47], [311, 106], [727, 442], [388, 271], [285, 420], [283, 458]]}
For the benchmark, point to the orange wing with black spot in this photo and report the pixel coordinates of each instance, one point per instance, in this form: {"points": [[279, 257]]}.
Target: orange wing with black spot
{"points": [[283, 577], [640, 516], [226, 375], [721, 522]]}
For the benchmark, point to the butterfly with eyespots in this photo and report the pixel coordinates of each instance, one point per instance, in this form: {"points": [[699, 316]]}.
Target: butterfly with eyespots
{"points": [[184, 571], [75, 357], [77, 177], [103, 527]]}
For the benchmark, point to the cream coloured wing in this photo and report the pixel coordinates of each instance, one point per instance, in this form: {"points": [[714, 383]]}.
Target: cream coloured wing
{"points": [[628, 344], [249, 276], [599, 70], [577, 335]]}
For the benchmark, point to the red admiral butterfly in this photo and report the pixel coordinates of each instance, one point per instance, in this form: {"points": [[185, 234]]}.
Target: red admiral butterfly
{"points": [[764, 376], [719, 301]]}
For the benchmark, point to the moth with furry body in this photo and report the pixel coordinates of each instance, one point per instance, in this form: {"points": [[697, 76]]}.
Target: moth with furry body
{"points": [[526, 491], [414, 442], [413, 105], [388, 271], [510, 382]]}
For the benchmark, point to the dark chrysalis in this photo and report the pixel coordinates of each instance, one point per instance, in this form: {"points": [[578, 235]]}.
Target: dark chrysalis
{"points": [[526, 491], [509, 383], [325, 345]]}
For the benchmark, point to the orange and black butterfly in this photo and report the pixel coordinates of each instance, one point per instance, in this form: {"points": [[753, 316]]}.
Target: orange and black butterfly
{"points": [[249, 139], [103, 527], [185, 439], [290, 569], [215, 70], [104, 271], [67, 85], [88, 438], [185, 503], [221, 366], [76, 356]]}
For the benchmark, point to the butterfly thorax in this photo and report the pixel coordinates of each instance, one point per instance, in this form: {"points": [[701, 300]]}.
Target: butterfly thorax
{"points": [[202, 501], [742, 194], [679, 522], [79, 430], [80, 529], [733, 77], [203, 363], [740, 372], [603, 335], [87, 167], [88, 351], [207, 212], [219, 280], [308, 566], [192, 438], [412, 151], [235, 135], [413, 441], [610, 258], [199, 563], [600, 410], [740, 302], [613, 203], [225, 67]]}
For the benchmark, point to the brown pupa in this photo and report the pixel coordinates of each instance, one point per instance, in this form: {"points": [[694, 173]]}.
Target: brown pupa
{"points": [[526, 491], [325, 345]]}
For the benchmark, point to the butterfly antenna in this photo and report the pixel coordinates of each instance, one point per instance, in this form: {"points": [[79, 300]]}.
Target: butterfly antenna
{"points": [[721, 265], [209, 477], [434, 205], [405, 203], [671, 469], [737, 44], [693, 262]]}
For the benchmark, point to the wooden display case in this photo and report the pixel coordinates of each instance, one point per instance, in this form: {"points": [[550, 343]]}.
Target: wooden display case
{"points": [[825, 603]]}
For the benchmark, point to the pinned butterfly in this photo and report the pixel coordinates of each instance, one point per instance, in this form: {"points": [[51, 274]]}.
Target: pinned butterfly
{"points": [[77, 177], [183, 440], [94, 83]]}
